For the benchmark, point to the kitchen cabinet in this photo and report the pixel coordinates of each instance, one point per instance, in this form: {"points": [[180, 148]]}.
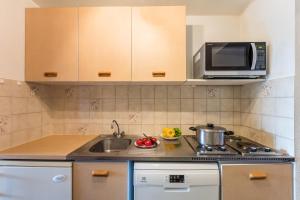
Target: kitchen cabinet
{"points": [[159, 43], [105, 44], [257, 181], [100, 180], [35, 180], [51, 44]]}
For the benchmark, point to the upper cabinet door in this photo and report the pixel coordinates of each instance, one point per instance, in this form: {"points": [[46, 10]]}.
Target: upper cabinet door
{"points": [[105, 44], [52, 44], [159, 43]]}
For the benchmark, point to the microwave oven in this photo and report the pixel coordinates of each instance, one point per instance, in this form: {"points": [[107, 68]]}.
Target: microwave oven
{"points": [[231, 60]]}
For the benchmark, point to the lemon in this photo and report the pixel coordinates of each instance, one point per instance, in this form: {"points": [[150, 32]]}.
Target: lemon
{"points": [[168, 132]]}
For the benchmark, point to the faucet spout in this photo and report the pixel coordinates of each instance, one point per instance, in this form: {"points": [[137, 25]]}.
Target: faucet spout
{"points": [[117, 133]]}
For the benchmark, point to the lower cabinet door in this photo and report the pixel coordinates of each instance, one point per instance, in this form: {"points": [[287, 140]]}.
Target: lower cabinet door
{"points": [[100, 180], [35, 183], [257, 182]]}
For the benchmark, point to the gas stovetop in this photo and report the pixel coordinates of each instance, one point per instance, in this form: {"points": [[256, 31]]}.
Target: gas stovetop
{"points": [[234, 145], [209, 150]]}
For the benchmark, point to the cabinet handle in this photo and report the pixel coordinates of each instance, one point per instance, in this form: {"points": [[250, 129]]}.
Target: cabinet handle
{"points": [[50, 74], [159, 74], [103, 173], [104, 74], [257, 176]]}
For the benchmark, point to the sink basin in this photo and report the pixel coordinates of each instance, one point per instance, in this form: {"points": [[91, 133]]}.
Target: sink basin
{"points": [[110, 145]]}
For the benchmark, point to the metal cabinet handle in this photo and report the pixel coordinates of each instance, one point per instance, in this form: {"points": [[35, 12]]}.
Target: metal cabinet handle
{"points": [[104, 74], [159, 74], [103, 173], [257, 176], [50, 74], [59, 178]]}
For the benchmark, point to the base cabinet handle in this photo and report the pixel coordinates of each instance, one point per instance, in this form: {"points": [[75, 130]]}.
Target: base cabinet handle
{"points": [[159, 74], [101, 173], [257, 175], [104, 74], [50, 74]]}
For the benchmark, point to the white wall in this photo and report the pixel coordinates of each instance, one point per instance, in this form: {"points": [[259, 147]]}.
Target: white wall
{"points": [[12, 38], [203, 29], [297, 102], [273, 21], [215, 28]]}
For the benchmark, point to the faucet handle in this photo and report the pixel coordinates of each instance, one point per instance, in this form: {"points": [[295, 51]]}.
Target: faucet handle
{"points": [[115, 134], [122, 133]]}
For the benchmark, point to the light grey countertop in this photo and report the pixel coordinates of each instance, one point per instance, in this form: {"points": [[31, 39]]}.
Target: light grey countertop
{"points": [[168, 151]]}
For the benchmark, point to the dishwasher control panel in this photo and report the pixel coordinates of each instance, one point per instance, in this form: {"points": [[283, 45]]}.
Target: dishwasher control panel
{"points": [[176, 178]]}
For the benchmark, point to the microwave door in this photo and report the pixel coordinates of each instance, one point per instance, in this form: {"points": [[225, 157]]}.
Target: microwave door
{"points": [[229, 56]]}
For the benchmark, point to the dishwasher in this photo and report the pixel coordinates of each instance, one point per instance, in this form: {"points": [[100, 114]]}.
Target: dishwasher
{"points": [[176, 181]]}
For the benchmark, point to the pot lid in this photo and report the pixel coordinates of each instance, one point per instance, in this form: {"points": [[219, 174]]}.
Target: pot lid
{"points": [[211, 128]]}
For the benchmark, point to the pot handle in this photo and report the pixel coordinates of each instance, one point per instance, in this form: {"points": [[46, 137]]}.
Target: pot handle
{"points": [[210, 125], [193, 129], [229, 133]]}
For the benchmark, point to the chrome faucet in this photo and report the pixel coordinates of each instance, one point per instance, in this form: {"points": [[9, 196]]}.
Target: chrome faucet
{"points": [[117, 133]]}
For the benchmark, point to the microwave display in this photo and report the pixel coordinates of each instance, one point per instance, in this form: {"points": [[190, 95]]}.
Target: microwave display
{"points": [[229, 56]]}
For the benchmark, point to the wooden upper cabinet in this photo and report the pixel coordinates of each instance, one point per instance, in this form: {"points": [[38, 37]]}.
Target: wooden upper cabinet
{"points": [[105, 44], [51, 44], [159, 43]]}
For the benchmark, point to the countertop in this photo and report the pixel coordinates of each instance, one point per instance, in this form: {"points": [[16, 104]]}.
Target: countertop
{"points": [[77, 148], [54, 147], [167, 151]]}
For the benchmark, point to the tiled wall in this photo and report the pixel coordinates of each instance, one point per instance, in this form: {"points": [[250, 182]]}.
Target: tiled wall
{"points": [[20, 112], [267, 113], [261, 111], [90, 109]]}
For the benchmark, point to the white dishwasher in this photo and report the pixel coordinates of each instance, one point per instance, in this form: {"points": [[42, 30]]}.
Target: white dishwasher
{"points": [[176, 181], [25, 180]]}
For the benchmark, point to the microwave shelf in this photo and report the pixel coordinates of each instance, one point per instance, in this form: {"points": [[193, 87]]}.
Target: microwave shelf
{"points": [[222, 81]]}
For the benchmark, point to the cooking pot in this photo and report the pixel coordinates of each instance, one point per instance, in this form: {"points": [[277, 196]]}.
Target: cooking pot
{"points": [[209, 134]]}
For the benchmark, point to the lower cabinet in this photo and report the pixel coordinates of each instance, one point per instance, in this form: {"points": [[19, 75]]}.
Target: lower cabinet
{"points": [[35, 180], [100, 180], [257, 181]]}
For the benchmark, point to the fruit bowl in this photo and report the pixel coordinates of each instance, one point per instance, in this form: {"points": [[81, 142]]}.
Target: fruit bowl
{"points": [[146, 143], [170, 138]]}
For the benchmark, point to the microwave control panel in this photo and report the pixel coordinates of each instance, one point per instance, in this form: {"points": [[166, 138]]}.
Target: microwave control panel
{"points": [[261, 56]]}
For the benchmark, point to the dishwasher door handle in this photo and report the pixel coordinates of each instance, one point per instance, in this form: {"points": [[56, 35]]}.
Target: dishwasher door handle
{"points": [[183, 189]]}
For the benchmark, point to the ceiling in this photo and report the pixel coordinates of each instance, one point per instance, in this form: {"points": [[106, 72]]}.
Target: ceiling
{"points": [[194, 7]]}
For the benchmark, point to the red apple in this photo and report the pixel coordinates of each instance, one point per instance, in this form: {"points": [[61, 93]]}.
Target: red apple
{"points": [[140, 142], [148, 143]]}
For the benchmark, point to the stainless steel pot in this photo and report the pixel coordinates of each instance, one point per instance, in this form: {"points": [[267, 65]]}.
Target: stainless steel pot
{"points": [[209, 134]]}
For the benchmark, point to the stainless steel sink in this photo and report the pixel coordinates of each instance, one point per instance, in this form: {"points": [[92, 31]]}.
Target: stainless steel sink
{"points": [[110, 145]]}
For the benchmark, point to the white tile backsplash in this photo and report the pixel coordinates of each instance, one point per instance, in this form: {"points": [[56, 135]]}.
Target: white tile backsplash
{"points": [[187, 92], [262, 111], [227, 105], [213, 105], [268, 109], [174, 92], [161, 92], [147, 92], [227, 92], [122, 92]]}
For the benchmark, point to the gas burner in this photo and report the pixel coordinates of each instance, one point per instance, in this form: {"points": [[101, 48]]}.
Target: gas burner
{"points": [[233, 138], [209, 150], [247, 147]]}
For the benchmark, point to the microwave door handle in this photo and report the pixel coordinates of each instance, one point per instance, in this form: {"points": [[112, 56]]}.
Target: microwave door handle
{"points": [[254, 58]]}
